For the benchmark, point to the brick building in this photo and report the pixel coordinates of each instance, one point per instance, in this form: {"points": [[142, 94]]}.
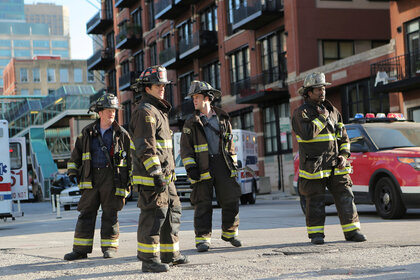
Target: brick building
{"points": [[257, 52]]}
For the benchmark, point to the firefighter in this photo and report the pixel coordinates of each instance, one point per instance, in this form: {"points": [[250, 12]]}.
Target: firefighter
{"points": [[101, 165], [153, 173], [324, 148], [208, 154]]}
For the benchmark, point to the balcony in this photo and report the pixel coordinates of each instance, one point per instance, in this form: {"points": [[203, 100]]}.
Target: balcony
{"points": [[180, 113], [168, 57], [396, 74], [199, 43], [98, 25], [126, 80], [170, 9], [256, 13], [101, 60], [124, 3], [130, 36], [269, 86]]}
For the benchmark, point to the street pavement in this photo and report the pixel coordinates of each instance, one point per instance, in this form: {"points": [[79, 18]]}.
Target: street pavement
{"points": [[275, 246]]}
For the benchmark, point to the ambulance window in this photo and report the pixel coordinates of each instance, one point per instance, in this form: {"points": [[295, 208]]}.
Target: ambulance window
{"points": [[15, 156], [1, 132], [251, 160]]}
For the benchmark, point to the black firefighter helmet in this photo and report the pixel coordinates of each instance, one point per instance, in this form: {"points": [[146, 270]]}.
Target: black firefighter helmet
{"points": [[154, 75], [106, 101], [204, 88]]}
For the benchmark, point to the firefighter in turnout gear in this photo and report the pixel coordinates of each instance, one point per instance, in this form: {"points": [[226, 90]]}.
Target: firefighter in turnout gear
{"points": [[101, 165], [208, 154], [153, 173], [323, 151]]}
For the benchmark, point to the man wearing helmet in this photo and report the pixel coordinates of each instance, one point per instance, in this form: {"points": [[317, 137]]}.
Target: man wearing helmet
{"points": [[153, 172], [323, 151], [208, 154], [100, 164]]}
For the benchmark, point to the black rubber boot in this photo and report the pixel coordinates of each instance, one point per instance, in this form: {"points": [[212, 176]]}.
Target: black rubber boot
{"points": [[317, 240], [355, 236], [182, 259], [108, 254], [154, 266], [74, 256], [234, 241], [203, 247]]}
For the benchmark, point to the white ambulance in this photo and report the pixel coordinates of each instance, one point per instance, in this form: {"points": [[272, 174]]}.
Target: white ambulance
{"points": [[247, 151], [6, 204]]}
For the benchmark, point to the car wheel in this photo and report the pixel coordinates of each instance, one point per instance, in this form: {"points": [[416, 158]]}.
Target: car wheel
{"points": [[388, 202], [66, 207], [252, 196]]}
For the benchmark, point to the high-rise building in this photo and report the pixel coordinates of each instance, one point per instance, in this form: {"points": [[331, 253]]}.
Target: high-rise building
{"points": [[57, 17], [12, 10]]}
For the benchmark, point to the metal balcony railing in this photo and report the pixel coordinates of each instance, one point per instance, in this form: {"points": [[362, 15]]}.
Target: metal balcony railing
{"points": [[202, 39], [126, 80], [167, 55], [97, 24], [100, 59], [129, 36], [395, 69], [254, 9]]}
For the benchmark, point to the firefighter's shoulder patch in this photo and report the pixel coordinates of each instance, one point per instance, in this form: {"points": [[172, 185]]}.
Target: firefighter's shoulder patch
{"points": [[150, 119], [186, 130], [304, 115]]}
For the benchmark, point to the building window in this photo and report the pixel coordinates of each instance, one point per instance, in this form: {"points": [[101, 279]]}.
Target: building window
{"points": [[23, 75], [36, 77], [64, 75], [277, 129], [151, 15], [91, 76], [37, 91], [110, 43], [51, 91], [61, 53], [78, 75], [127, 113], [413, 45], [5, 43], [239, 68], [185, 33], [60, 44], [24, 92], [139, 61], [273, 57], [22, 53], [243, 119], [125, 68], [41, 52], [185, 82], [22, 43], [136, 16], [208, 19], [153, 54], [51, 75], [112, 81], [109, 7], [6, 52], [41, 43], [211, 74], [336, 50]]}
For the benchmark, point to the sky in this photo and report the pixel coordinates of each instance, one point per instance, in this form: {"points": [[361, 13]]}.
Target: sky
{"points": [[80, 11]]}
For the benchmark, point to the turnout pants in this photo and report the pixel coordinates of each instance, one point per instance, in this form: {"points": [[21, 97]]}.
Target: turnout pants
{"points": [[159, 222], [314, 192], [228, 192], [102, 193]]}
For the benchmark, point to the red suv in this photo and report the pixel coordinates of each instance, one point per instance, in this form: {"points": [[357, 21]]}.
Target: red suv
{"points": [[385, 155]]}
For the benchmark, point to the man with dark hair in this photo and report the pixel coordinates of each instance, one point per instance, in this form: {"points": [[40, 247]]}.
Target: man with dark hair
{"points": [[208, 154], [100, 164], [323, 151], [153, 172]]}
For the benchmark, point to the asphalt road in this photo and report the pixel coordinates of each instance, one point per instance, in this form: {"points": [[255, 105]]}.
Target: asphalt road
{"points": [[275, 247]]}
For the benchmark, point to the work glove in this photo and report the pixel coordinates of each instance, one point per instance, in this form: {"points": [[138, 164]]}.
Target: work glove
{"points": [[73, 179], [323, 111], [194, 173], [341, 162], [160, 183]]}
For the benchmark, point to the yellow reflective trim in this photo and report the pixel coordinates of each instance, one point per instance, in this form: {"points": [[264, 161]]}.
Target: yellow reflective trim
{"points": [[188, 161], [83, 241], [132, 145], [351, 227], [85, 185], [317, 175], [86, 156], [201, 148], [319, 124], [345, 170], [235, 158], [169, 248], [319, 138], [228, 234], [317, 229], [148, 181], [152, 161], [109, 242], [164, 144], [148, 248], [199, 240], [234, 173], [345, 146], [203, 176], [71, 165], [121, 192]]}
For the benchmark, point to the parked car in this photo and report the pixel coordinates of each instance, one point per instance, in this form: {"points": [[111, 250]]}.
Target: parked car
{"points": [[69, 193], [182, 183], [385, 156]]}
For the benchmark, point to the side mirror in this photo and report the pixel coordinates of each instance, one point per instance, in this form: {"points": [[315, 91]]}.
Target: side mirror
{"points": [[358, 148]]}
